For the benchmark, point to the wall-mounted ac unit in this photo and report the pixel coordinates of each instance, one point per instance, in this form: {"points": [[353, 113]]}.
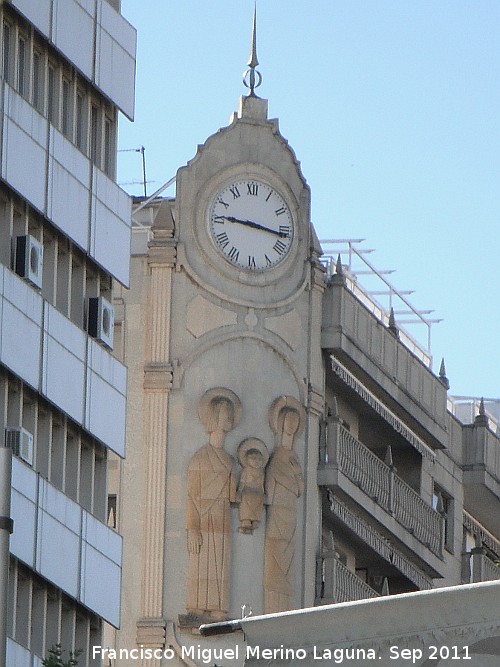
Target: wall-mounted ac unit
{"points": [[101, 320], [29, 259], [21, 442]]}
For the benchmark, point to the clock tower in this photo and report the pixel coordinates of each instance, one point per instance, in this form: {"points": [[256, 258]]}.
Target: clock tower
{"points": [[229, 307]]}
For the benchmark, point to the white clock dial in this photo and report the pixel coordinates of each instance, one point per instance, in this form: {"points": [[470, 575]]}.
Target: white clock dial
{"points": [[251, 225]]}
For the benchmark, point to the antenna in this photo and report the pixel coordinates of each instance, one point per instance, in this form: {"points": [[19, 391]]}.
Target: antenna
{"points": [[142, 151]]}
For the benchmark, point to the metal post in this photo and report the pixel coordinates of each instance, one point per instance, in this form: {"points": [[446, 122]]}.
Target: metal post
{"points": [[6, 527]]}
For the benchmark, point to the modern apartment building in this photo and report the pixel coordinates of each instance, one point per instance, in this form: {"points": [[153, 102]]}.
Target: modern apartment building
{"points": [[67, 70]]}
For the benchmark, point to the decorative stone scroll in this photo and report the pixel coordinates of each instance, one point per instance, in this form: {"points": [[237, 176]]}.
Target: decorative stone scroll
{"points": [[284, 485], [211, 487]]}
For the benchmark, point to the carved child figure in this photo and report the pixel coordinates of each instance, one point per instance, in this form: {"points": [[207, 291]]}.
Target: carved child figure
{"points": [[253, 456]]}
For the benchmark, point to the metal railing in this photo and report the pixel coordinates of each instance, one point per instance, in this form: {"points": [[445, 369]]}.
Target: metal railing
{"points": [[351, 255], [381, 483]]}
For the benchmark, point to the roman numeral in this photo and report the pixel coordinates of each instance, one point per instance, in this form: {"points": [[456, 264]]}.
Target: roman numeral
{"points": [[284, 231], [234, 191], [222, 239], [219, 219], [280, 211], [233, 254], [221, 201], [253, 189], [280, 247], [268, 261], [269, 195], [251, 262]]}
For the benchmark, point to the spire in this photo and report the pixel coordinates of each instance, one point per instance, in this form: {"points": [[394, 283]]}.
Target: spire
{"points": [[251, 78], [442, 375], [481, 418], [392, 324], [252, 60]]}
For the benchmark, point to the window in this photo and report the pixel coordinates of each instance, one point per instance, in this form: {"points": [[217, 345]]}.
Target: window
{"points": [[109, 144], [37, 73], [6, 52], [94, 134], [22, 87], [66, 109], [443, 503], [81, 135], [51, 94], [112, 507]]}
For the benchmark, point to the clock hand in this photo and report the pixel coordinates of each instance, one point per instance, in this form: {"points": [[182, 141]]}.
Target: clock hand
{"points": [[254, 225]]}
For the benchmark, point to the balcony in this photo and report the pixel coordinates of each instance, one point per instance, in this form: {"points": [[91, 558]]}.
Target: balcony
{"points": [[347, 458], [482, 473], [480, 563], [366, 346], [338, 584]]}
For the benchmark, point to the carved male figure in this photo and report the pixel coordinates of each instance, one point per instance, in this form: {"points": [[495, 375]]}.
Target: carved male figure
{"points": [[211, 488]]}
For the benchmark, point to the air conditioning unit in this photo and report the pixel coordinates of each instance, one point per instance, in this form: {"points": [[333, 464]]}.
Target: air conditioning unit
{"points": [[21, 442], [101, 320], [29, 259]]}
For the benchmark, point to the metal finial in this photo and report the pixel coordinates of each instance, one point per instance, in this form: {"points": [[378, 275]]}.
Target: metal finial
{"points": [[251, 78], [482, 410], [442, 375]]}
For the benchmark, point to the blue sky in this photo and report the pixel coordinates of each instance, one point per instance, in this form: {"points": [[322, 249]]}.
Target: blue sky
{"points": [[392, 107]]}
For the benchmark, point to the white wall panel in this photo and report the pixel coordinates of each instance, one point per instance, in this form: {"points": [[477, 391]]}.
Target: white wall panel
{"points": [[26, 116], [70, 158], [76, 44], [18, 656], [101, 580], [64, 358], [73, 549], [99, 536], [106, 414], [57, 554], [106, 396], [24, 512], [21, 155], [37, 13], [110, 241], [21, 328], [115, 57], [101, 569], [111, 370], [68, 211]]}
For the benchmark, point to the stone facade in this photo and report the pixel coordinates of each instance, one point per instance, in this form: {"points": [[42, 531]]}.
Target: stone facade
{"points": [[357, 475]]}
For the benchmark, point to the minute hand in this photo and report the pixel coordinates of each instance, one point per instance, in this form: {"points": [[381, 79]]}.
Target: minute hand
{"points": [[254, 225]]}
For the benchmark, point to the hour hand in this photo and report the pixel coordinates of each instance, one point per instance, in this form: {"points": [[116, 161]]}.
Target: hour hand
{"points": [[254, 225]]}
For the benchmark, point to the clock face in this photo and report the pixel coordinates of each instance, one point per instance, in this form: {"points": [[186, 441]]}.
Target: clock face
{"points": [[251, 225]]}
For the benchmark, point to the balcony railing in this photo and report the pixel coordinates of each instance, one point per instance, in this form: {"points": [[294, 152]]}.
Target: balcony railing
{"points": [[380, 482], [338, 584], [491, 572]]}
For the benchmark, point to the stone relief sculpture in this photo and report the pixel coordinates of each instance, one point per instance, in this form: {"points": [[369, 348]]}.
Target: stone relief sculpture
{"points": [[253, 457], [284, 485], [211, 487]]}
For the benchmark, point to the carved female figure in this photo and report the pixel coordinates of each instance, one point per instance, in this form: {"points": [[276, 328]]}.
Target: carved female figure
{"points": [[284, 485], [211, 488]]}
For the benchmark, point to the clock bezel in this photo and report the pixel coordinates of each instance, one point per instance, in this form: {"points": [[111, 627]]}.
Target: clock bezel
{"points": [[204, 234]]}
